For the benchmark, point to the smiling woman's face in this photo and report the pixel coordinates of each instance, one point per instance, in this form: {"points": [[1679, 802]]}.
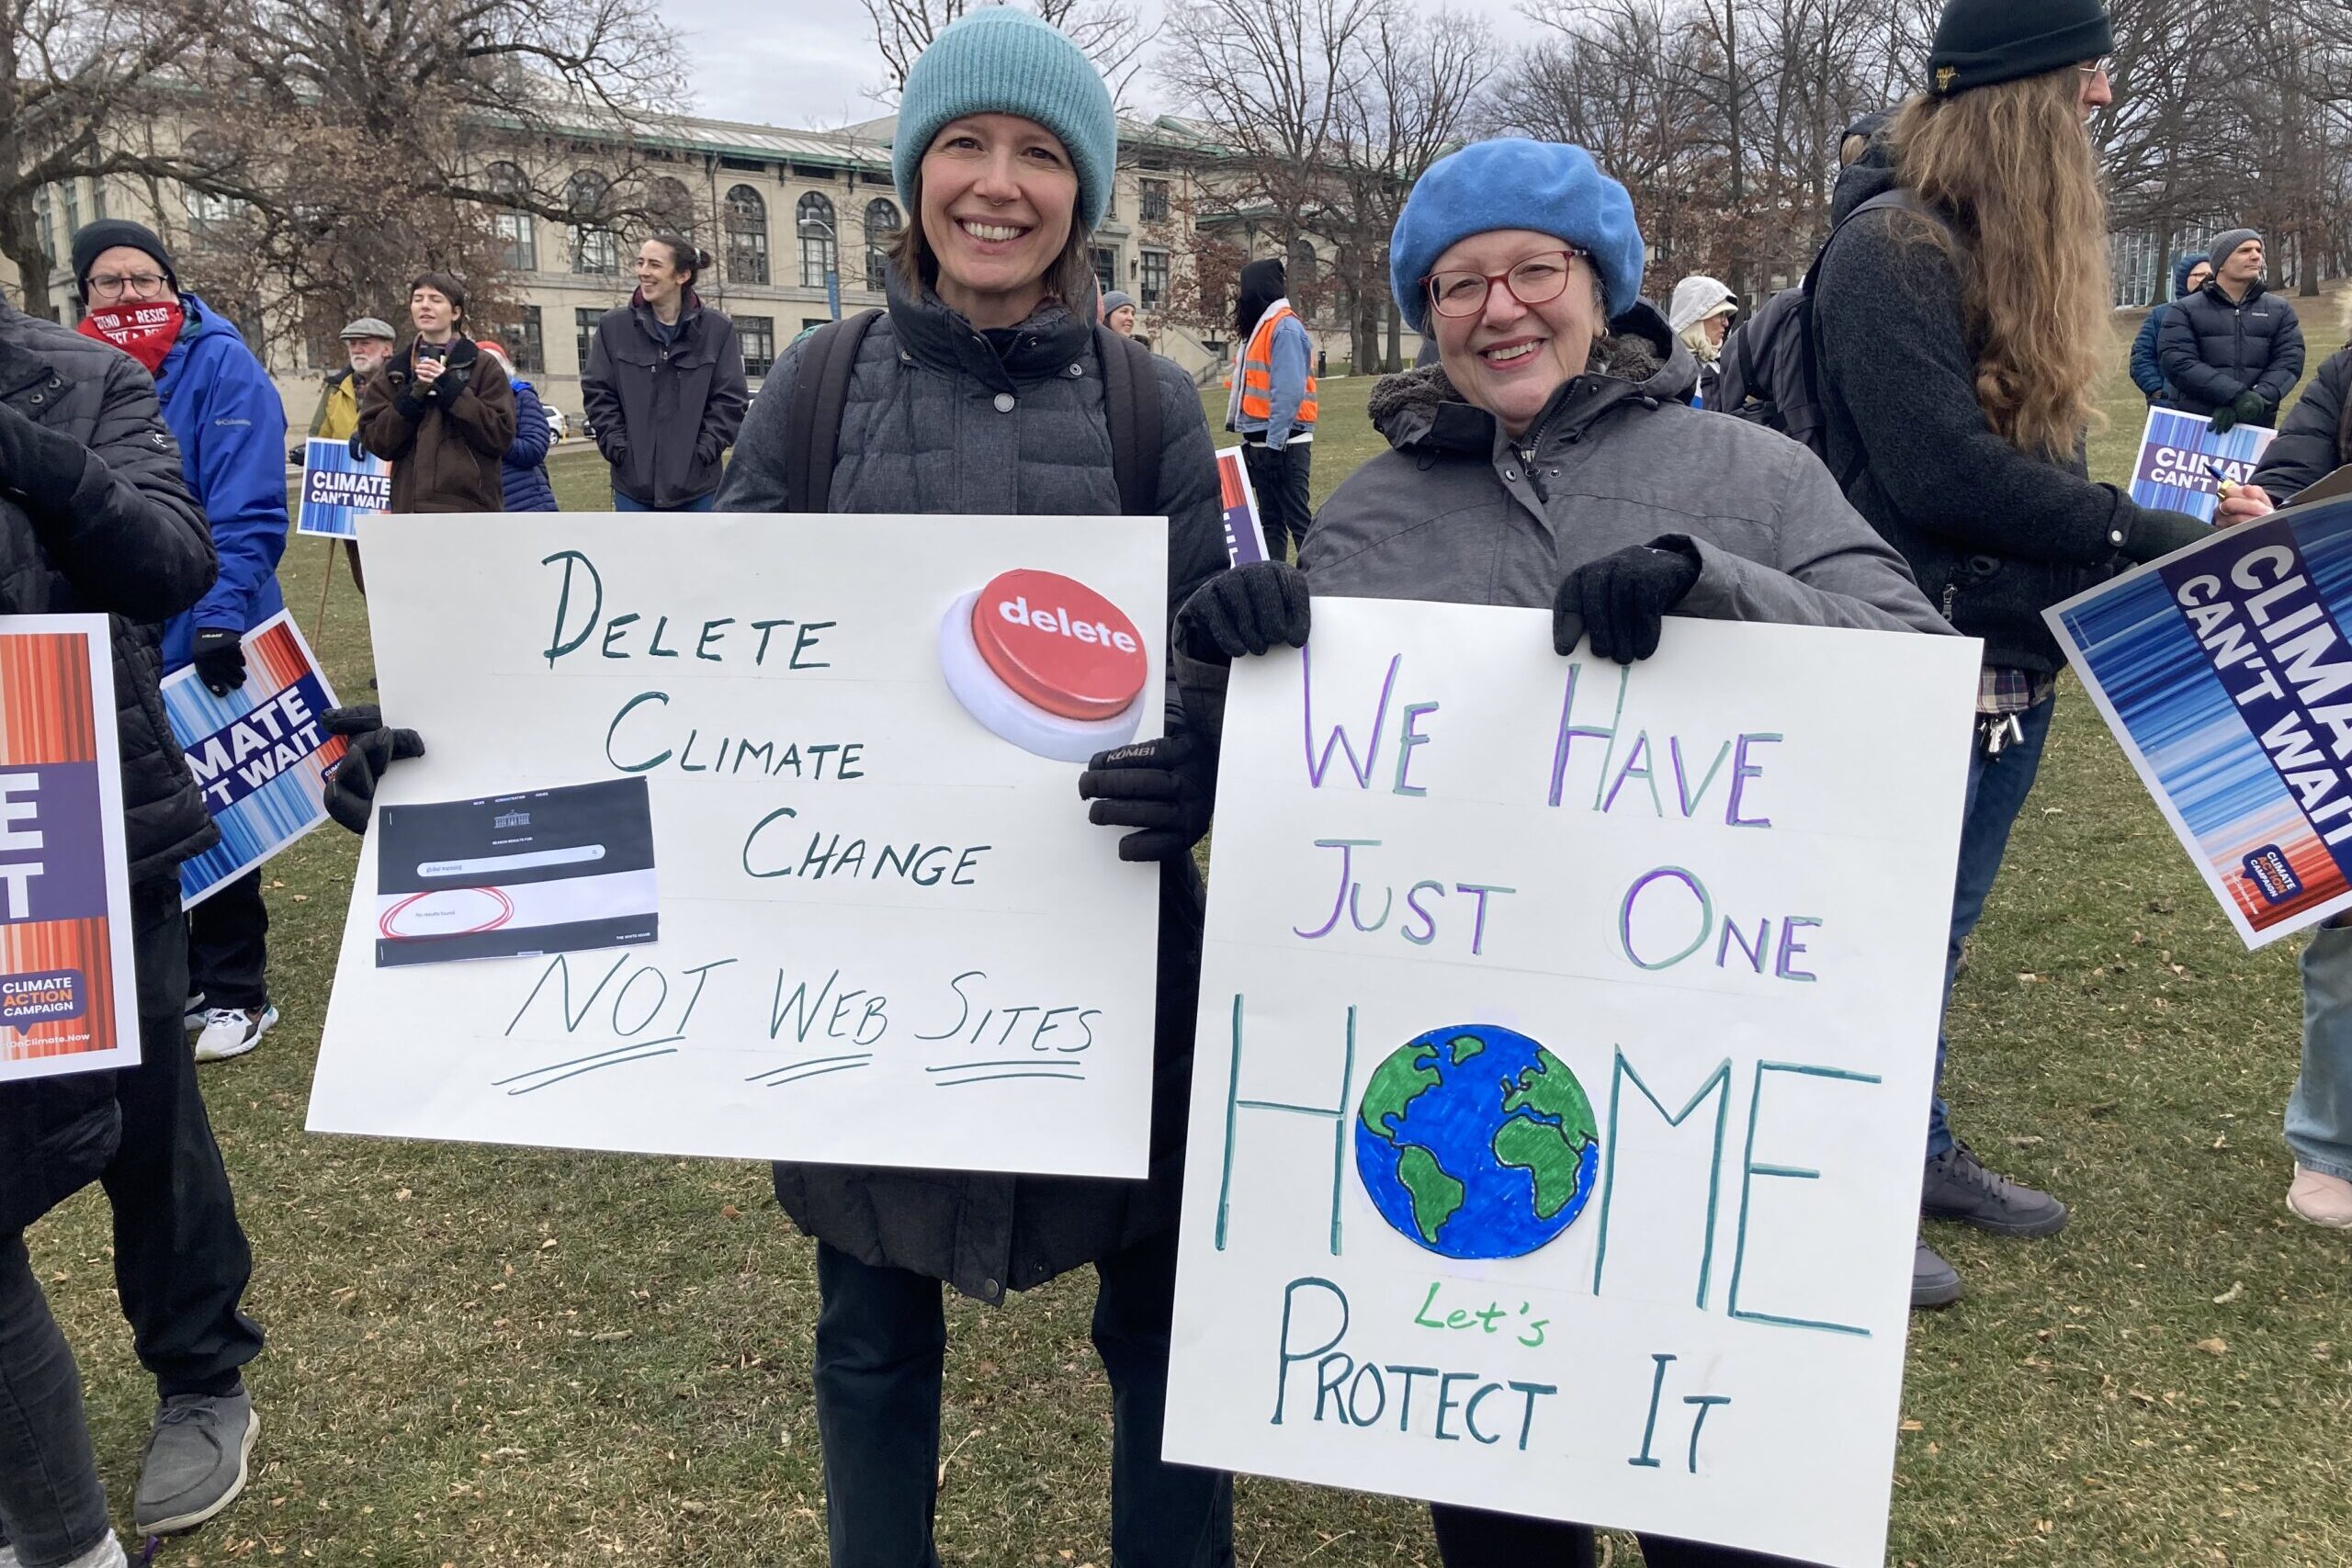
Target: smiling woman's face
{"points": [[999, 197], [1509, 358]]}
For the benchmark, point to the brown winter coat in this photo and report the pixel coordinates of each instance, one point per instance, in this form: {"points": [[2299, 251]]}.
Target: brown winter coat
{"points": [[445, 442]]}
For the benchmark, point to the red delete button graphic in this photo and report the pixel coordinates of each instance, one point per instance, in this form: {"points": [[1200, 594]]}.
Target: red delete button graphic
{"points": [[1047, 664], [1059, 644]]}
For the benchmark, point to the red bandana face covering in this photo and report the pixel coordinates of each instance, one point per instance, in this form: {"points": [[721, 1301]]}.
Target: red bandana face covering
{"points": [[144, 332]]}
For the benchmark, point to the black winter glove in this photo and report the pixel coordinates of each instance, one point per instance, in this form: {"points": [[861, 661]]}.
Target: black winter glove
{"points": [[1164, 789], [219, 655], [44, 466], [2154, 534], [350, 793], [1621, 599], [1245, 611]]}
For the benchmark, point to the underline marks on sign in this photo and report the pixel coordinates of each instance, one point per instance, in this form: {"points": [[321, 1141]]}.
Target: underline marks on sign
{"points": [[956, 1075], [618, 1057], [813, 1068]]}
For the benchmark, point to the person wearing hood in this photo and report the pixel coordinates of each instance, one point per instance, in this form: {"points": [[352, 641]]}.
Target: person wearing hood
{"points": [[523, 472], [664, 390], [182, 1262], [1962, 327], [440, 412], [2233, 351], [1701, 316], [1273, 408], [2189, 274], [1555, 439]]}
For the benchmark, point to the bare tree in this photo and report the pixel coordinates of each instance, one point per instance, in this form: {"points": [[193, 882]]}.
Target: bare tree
{"points": [[358, 143], [1110, 32], [74, 79]]}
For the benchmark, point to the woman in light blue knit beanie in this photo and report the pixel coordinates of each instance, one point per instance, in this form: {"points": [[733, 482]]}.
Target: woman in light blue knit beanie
{"points": [[1005, 152], [987, 389]]}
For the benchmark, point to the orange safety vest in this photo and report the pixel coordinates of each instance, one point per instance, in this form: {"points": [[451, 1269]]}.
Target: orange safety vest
{"points": [[1258, 375]]}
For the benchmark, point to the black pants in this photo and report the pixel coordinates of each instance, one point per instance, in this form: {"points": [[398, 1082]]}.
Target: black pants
{"points": [[881, 1345], [1280, 478], [1468, 1538], [51, 1507], [228, 946], [180, 1259]]}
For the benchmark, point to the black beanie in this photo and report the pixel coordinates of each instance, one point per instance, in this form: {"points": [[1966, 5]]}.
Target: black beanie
{"points": [[93, 240], [1982, 42]]}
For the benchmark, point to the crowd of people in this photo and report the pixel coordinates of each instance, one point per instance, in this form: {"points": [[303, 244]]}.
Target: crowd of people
{"points": [[1587, 453]]}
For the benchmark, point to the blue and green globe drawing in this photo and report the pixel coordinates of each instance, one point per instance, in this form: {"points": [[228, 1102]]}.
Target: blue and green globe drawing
{"points": [[1475, 1142]]}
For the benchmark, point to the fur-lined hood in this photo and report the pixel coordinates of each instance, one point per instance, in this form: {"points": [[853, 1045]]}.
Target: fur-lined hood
{"points": [[1640, 362]]}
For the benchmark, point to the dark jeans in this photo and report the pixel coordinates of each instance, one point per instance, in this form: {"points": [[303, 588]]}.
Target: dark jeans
{"points": [[180, 1259], [228, 946], [1280, 478], [1468, 1538], [51, 1507], [699, 503], [1998, 786], [881, 1345]]}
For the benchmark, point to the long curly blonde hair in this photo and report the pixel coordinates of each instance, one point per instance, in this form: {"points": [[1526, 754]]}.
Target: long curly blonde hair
{"points": [[2013, 166]]}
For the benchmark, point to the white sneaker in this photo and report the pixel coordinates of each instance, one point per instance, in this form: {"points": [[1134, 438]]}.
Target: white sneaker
{"points": [[193, 1018], [233, 1032], [2324, 1200]]}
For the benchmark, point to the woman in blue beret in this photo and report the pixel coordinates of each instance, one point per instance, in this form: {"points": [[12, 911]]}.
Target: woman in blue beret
{"points": [[1550, 458]]}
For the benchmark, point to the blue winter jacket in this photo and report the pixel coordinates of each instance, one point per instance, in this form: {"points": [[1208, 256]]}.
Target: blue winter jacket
{"points": [[2146, 373], [230, 426], [523, 472]]}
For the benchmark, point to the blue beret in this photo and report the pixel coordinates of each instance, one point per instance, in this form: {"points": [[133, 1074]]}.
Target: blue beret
{"points": [[1001, 61], [1512, 183]]}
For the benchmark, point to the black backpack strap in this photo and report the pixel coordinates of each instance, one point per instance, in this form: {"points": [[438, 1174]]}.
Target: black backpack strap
{"points": [[812, 428], [1131, 407], [1816, 390]]}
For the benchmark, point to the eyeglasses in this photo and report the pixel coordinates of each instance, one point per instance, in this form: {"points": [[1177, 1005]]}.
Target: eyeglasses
{"points": [[2094, 69], [1537, 280], [140, 285]]}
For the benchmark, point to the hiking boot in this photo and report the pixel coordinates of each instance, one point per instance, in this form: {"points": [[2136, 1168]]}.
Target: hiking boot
{"points": [[196, 1462], [1959, 1187], [2324, 1200], [233, 1032], [193, 1018], [1934, 1282]]}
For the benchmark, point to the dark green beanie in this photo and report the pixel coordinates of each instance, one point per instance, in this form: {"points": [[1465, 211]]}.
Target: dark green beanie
{"points": [[1982, 42]]}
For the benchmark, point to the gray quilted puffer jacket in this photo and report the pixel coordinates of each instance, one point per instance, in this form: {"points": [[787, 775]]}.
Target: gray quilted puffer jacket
{"points": [[941, 419]]}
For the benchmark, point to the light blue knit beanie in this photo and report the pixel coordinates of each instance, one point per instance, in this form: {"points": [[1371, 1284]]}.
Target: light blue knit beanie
{"points": [[1001, 61], [1511, 183]]}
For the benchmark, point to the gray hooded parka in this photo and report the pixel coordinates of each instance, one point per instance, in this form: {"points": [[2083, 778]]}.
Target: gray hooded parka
{"points": [[1458, 512]]}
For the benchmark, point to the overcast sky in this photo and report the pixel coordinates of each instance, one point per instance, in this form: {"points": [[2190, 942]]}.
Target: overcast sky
{"points": [[809, 63]]}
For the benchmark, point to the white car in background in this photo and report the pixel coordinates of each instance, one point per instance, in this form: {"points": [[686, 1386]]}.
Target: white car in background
{"points": [[559, 427]]}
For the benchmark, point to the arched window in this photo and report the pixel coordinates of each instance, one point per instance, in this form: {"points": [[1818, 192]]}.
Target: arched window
{"points": [[595, 249], [670, 205], [747, 235], [881, 232], [812, 220], [518, 237]]}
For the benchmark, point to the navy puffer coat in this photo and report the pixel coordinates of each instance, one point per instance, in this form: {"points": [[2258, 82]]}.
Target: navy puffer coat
{"points": [[523, 472], [2214, 348]]}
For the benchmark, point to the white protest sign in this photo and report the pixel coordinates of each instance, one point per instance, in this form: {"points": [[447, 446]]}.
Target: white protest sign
{"points": [[1567, 1040], [888, 934]]}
